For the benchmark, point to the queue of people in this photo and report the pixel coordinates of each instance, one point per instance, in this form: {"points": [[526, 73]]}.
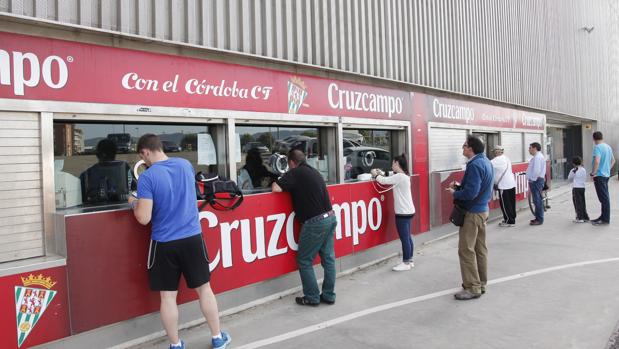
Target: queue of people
{"points": [[166, 199]]}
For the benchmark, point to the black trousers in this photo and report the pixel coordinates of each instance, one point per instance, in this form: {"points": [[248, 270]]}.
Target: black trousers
{"points": [[507, 198], [580, 205]]}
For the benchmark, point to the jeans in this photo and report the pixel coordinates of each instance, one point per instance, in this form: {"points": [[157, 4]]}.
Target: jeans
{"points": [[317, 238], [403, 224], [580, 205], [601, 188], [536, 191]]}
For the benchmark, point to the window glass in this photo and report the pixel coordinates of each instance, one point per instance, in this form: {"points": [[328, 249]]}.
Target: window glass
{"points": [[490, 140], [94, 161], [262, 158], [366, 149]]}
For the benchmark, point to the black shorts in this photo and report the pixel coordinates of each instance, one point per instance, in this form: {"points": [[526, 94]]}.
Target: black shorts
{"points": [[167, 260]]}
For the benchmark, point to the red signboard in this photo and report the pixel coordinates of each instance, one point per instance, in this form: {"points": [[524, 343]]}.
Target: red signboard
{"points": [[452, 111], [49, 69], [107, 251]]}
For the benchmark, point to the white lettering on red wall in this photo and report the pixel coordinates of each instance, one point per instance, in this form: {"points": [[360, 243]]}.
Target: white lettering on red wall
{"points": [[452, 111], [532, 120], [354, 218], [363, 101], [59, 70], [27, 71], [133, 81]]}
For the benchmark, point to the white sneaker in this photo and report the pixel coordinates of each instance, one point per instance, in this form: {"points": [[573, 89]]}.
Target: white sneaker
{"points": [[504, 224], [403, 266], [579, 221]]}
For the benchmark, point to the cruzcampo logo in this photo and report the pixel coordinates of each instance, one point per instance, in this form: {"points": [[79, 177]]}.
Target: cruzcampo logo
{"points": [[297, 91], [31, 303]]}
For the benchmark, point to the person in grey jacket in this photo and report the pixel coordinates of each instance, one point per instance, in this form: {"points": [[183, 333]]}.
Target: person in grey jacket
{"points": [[474, 194]]}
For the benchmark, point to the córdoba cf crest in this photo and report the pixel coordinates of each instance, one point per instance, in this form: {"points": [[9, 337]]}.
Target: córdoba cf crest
{"points": [[31, 303], [297, 91]]}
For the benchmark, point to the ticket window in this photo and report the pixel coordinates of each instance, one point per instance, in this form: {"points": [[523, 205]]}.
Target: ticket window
{"points": [[263, 153], [490, 140], [93, 162], [365, 149]]}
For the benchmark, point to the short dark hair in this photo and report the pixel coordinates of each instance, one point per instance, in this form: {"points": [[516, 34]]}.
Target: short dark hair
{"points": [[296, 156], [106, 150], [598, 136], [401, 160], [577, 160], [536, 146], [151, 142], [476, 144]]}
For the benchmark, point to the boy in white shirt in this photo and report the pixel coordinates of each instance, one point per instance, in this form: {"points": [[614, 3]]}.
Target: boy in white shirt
{"points": [[578, 177]]}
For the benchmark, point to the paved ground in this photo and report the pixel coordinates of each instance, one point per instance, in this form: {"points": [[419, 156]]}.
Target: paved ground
{"points": [[553, 286]]}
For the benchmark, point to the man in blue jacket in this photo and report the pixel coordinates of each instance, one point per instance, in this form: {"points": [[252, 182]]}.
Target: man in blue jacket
{"points": [[474, 194]]}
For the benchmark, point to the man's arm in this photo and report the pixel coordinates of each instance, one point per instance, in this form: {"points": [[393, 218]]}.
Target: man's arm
{"points": [[596, 164], [470, 189], [540, 166], [276, 188], [142, 209]]}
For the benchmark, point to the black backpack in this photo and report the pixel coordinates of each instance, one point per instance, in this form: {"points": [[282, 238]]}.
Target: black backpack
{"points": [[222, 195]]}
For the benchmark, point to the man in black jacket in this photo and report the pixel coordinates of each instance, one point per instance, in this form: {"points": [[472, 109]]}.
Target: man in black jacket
{"points": [[312, 207]]}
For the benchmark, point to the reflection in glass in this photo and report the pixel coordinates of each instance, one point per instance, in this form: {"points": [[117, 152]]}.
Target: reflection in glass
{"points": [[75, 152], [263, 153], [364, 150]]}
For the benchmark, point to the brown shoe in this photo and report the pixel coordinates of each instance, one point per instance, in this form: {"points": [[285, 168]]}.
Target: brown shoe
{"points": [[535, 222], [465, 295]]}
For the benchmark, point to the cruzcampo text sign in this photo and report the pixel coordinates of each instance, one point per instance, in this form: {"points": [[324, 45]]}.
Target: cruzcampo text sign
{"points": [[49, 69]]}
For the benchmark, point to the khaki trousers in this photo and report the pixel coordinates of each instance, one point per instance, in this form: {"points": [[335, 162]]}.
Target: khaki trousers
{"points": [[473, 252]]}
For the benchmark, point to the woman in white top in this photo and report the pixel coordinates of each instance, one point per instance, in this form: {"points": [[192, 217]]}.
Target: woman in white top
{"points": [[403, 206], [578, 177]]}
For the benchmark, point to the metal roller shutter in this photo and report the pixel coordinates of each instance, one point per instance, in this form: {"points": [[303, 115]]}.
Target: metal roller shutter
{"points": [[530, 138], [514, 148], [21, 204], [446, 149]]}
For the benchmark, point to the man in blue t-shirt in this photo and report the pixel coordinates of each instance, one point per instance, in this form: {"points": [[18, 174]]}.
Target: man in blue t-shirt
{"points": [[167, 199], [603, 162]]}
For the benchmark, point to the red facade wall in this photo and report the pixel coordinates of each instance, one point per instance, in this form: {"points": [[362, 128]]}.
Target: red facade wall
{"points": [[112, 246]]}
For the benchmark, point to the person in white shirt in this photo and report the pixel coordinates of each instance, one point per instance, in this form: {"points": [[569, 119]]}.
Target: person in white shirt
{"points": [[536, 175], [505, 184], [403, 206], [578, 177]]}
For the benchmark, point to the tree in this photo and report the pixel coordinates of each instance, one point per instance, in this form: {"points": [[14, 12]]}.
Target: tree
{"points": [[190, 142], [246, 138], [309, 133], [266, 139]]}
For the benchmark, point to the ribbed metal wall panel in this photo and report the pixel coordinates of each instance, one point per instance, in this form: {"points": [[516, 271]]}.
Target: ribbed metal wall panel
{"points": [[513, 146], [446, 150], [528, 52]]}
